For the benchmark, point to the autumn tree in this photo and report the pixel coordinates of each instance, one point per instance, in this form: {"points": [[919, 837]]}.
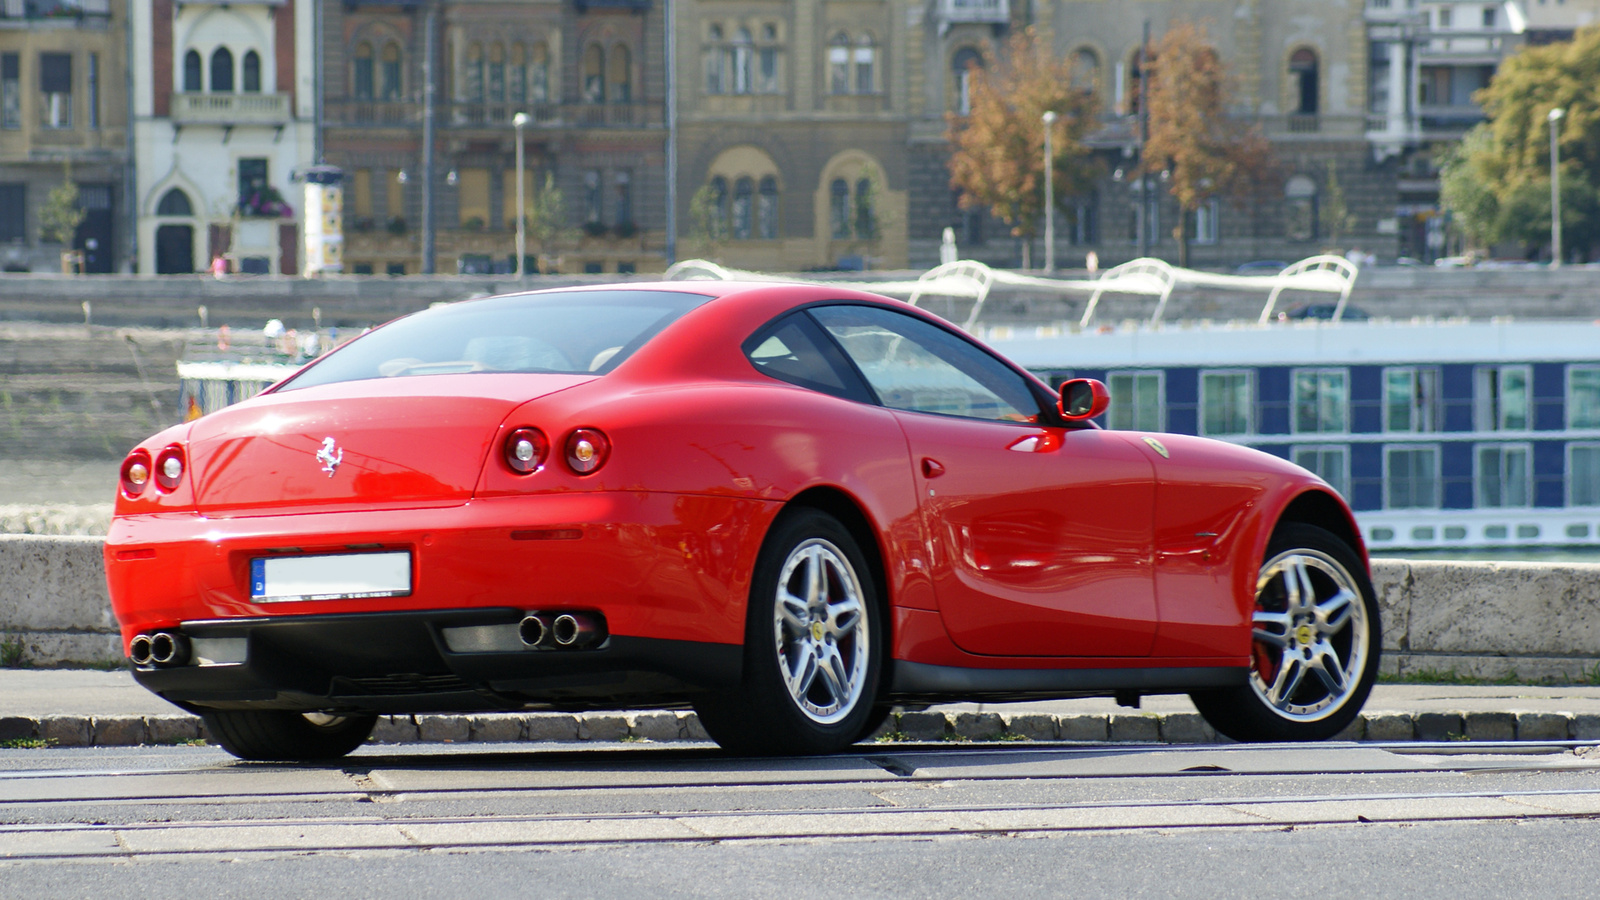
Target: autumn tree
{"points": [[1496, 183], [1204, 153], [998, 162]]}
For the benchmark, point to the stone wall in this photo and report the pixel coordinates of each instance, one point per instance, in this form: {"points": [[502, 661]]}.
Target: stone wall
{"points": [[1483, 619]]}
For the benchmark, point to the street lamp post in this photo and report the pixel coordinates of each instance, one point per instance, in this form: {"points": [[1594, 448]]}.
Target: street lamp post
{"points": [[520, 120], [1049, 195], [1555, 188]]}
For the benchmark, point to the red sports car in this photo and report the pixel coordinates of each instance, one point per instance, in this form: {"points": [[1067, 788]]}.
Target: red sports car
{"points": [[786, 506]]}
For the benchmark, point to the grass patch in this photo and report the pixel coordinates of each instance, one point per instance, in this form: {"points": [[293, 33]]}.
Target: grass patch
{"points": [[951, 737], [24, 744], [891, 737], [12, 652], [1009, 736], [1589, 677]]}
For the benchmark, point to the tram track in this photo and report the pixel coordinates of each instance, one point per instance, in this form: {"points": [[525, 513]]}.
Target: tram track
{"points": [[902, 793]]}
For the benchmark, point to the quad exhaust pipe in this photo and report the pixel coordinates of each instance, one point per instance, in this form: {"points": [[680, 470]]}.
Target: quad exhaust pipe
{"points": [[566, 631], [163, 648]]}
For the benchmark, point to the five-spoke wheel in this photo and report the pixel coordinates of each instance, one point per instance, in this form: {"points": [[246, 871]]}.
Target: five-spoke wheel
{"points": [[813, 645], [1314, 644]]}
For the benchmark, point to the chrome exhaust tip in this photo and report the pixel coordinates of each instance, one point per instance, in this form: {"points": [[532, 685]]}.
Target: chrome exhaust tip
{"points": [[169, 649], [139, 650], [534, 631], [578, 629]]}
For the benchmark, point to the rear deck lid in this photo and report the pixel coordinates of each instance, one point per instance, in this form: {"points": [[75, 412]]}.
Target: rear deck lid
{"points": [[389, 443]]}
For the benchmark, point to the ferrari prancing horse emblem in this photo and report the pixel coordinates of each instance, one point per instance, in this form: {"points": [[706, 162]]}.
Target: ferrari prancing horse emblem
{"points": [[1154, 445], [330, 456]]}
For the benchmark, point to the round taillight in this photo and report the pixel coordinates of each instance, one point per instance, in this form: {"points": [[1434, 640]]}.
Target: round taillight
{"points": [[587, 450], [135, 473], [169, 468], [526, 449]]}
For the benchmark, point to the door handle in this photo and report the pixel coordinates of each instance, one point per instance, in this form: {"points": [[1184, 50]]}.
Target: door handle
{"points": [[931, 468]]}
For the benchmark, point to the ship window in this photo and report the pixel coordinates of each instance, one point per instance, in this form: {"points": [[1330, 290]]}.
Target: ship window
{"points": [[1503, 476], [1500, 399], [1226, 402], [1583, 474], [1411, 399], [1583, 397], [1411, 477], [1135, 401], [1321, 401], [1330, 463]]}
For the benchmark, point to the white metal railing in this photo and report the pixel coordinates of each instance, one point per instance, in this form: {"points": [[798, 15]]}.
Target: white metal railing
{"points": [[975, 11], [231, 109]]}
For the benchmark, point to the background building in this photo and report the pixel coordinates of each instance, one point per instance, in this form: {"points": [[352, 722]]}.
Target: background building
{"points": [[224, 112], [63, 108]]}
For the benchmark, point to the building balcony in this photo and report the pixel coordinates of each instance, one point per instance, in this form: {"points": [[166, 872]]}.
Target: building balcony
{"points": [[990, 12], [230, 109], [555, 115], [54, 9], [372, 113]]}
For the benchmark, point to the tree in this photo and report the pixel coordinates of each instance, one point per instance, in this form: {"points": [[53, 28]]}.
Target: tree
{"points": [[60, 216], [1492, 183], [1336, 215], [1203, 151], [547, 216], [708, 224], [998, 161]]}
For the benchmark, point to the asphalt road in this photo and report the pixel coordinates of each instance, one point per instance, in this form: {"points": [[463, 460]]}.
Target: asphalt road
{"points": [[1425, 820]]}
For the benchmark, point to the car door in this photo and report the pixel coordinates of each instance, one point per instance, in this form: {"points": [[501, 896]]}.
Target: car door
{"points": [[1040, 535]]}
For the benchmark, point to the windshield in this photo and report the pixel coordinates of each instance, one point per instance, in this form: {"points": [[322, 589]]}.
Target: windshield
{"points": [[568, 332]]}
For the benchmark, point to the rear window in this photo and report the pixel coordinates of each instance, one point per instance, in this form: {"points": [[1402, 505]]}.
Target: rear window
{"points": [[569, 332]]}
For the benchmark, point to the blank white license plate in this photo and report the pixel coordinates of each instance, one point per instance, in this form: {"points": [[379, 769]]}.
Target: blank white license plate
{"points": [[342, 576]]}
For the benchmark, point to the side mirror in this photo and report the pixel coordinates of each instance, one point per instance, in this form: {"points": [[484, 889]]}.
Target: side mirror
{"points": [[1083, 399]]}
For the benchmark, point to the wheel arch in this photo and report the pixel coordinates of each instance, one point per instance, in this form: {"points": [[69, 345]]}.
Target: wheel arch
{"points": [[1324, 510], [850, 513]]}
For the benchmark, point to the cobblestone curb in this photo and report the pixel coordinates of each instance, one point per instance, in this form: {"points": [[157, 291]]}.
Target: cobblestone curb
{"points": [[667, 726]]}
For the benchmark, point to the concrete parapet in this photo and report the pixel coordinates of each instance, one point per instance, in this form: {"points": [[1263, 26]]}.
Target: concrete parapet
{"points": [[1479, 619]]}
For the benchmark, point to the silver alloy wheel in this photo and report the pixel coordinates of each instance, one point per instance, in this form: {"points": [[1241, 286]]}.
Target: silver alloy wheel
{"points": [[821, 633], [1311, 638], [322, 720]]}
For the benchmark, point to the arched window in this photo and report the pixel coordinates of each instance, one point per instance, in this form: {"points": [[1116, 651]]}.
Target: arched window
{"points": [[1303, 81], [594, 74], [619, 76], [839, 64], [767, 61], [174, 203], [1300, 208], [719, 205], [716, 70], [839, 208], [743, 53], [965, 60], [866, 221], [767, 209], [193, 73], [497, 73], [361, 78], [866, 58], [252, 72], [390, 85], [539, 74], [472, 74], [221, 71], [1085, 69], [517, 74], [743, 198]]}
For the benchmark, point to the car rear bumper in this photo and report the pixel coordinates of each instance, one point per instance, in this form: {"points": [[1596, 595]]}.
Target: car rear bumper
{"points": [[409, 662], [671, 567]]}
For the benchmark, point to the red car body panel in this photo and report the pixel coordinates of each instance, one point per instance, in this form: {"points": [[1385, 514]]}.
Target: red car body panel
{"points": [[1022, 546]]}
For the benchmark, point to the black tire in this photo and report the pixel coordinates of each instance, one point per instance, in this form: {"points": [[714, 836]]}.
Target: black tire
{"points": [[277, 735], [1294, 694], [789, 704]]}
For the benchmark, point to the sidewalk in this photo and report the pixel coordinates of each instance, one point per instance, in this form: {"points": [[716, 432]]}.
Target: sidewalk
{"points": [[74, 707]]}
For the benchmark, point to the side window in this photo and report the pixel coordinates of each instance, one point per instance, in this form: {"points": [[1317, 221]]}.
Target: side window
{"points": [[793, 351], [916, 366]]}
